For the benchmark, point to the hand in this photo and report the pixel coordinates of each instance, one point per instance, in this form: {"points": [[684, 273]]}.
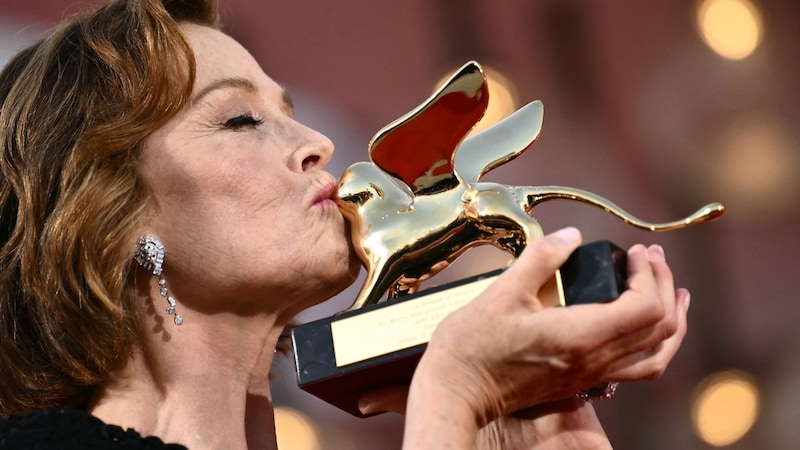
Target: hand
{"points": [[505, 352], [562, 425]]}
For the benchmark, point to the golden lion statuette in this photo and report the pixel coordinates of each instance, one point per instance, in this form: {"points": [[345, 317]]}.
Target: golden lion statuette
{"points": [[413, 209], [419, 203]]}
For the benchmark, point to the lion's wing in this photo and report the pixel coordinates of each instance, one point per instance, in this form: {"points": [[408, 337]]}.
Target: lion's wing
{"points": [[418, 148], [499, 143]]}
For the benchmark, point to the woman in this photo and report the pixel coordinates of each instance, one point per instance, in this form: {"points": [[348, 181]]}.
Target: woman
{"points": [[164, 218]]}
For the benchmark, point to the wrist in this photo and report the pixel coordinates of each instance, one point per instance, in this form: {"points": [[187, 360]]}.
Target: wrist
{"points": [[437, 410]]}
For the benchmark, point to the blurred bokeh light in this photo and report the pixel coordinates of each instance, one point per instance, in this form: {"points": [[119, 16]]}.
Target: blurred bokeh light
{"points": [[295, 431], [732, 28], [725, 407]]}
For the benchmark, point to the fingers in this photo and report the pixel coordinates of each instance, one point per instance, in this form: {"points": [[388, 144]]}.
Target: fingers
{"points": [[639, 333], [541, 258], [645, 314], [664, 285], [652, 362]]}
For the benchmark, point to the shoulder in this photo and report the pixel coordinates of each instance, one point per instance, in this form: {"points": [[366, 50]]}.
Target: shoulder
{"points": [[71, 429]]}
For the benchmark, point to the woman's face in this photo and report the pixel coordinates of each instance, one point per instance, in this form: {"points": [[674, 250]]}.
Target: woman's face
{"points": [[242, 203]]}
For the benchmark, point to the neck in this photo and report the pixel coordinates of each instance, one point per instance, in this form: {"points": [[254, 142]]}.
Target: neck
{"points": [[204, 384]]}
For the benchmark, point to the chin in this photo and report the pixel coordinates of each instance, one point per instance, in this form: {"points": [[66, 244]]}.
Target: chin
{"points": [[336, 273], [325, 290], [344, 278]]}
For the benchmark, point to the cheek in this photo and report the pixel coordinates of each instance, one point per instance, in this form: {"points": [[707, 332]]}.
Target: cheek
{"points": [[241, 182], [212, 200], [323, 266]]}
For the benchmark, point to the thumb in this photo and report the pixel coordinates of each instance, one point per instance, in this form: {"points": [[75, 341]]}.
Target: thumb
{"points": [[543, 256]]}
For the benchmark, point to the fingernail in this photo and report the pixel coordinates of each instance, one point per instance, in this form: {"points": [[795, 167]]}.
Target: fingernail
{"points": [[568, 235], [656, 253], [688, 299]]}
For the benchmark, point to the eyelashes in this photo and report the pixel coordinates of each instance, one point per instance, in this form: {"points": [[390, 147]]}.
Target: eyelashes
{"points": [[243, 122]]}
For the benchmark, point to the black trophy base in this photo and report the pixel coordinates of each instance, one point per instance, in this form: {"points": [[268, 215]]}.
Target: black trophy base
{"points": [[595, 272]]}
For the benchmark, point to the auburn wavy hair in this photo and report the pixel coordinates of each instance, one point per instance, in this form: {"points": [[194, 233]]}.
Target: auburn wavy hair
{"points": [[76, 108]]}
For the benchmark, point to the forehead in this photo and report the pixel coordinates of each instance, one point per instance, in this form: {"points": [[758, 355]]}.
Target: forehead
{"points": [[219, 57]]}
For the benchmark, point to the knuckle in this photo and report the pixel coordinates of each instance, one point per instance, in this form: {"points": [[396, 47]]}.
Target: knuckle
{"points": [[652, 310], [670, 328], [581, 346], [667, 277], [544, 249]]}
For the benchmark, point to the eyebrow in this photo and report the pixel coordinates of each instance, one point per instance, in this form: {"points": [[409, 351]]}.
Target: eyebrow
{"points": [[239, 83]]}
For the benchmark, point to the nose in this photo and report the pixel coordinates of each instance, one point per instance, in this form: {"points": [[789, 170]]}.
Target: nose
{"points": [[314, 153]]}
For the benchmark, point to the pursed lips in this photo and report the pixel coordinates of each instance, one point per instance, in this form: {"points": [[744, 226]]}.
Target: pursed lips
{"points": [[325, 194]]}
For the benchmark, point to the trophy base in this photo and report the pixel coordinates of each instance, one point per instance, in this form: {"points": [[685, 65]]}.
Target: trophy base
{"points": [[339, 358]]}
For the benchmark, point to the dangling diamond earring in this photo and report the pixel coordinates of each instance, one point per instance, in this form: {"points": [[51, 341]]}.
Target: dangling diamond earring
{"points": [[149, 253]]}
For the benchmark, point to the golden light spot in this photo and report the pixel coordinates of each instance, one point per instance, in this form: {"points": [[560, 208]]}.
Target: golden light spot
{"points": [[756, 165], [295, 431], [725, 407], [732, 28]]}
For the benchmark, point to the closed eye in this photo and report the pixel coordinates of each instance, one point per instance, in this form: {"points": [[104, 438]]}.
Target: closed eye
{"points": [[243, 121]]}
